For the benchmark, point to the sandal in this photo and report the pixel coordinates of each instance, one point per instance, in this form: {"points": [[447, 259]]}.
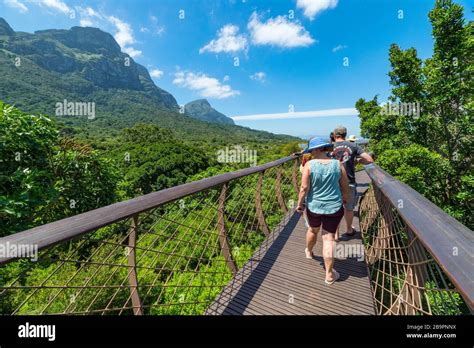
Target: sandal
{"points": [[306, 251], [336, 278], [352, 233]]}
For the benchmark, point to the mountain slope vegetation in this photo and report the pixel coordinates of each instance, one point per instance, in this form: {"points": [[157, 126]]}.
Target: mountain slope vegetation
{"points": [[86, 65]]}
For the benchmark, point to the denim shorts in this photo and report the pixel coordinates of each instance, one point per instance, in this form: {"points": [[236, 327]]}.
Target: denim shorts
{"points": [[352, 201]]}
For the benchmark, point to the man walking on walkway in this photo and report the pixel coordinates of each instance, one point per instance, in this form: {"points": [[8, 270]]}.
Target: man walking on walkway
{"points": [[347, 152]]}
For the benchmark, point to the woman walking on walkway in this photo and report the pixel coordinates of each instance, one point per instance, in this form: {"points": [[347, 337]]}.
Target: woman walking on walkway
{"points": [[325, 187]]}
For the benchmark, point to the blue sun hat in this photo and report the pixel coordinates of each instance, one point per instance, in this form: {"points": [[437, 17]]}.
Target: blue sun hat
{"points": [[318, 143]]}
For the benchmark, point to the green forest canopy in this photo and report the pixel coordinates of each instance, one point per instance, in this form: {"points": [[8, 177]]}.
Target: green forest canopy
{"points": [[432, 151], [46, 176]]}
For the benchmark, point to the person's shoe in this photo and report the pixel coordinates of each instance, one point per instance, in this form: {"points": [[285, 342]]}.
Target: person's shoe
{"points": [[309, 254], [335, 278], [353, 232]]}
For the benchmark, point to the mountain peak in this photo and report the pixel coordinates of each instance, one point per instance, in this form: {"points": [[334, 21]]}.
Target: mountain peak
{"points": [[201, 101], [89, 58], [202, 110], [87, 39], [5, 28]]}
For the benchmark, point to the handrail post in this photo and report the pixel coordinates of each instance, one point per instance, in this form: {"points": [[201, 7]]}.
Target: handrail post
{"points": [[258, 205], [294, 177], [223, 240], [132, 264], [281, 201]]}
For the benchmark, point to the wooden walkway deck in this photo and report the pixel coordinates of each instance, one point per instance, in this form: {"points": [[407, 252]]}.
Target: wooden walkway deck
{"points": [[279, 280]]}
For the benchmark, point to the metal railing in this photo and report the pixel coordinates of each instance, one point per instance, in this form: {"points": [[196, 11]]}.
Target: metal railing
{"points": [[173, 251], [419, 258], [168, 252]]}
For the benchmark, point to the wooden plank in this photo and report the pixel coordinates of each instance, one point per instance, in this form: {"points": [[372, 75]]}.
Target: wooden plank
{"points": [[360, 291], [312, 275], [330, 301], [319, 287], [274, 292], [308, 304], [280, 269]]}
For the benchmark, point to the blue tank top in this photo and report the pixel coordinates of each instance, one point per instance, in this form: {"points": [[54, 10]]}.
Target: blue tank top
{"points": [[324, 196]]}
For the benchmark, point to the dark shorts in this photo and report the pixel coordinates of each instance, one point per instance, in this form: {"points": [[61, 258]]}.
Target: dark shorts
{"points": [[329, 221]]}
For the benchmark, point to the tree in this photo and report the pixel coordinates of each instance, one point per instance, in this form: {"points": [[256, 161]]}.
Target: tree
{"points": [[444, 88], [450, 86], [151, 159], [41, 174]]}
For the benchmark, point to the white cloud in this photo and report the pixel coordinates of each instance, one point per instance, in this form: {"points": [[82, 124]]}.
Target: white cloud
{"points": [[86, 22], [89, 17], [154, 29], [312, 7], [227, 40], [206, 86], [89, 11], [304, 114], [132, 52], [56, 5], [159, 30], [279, 32], [124, 36], [226, 78], [16, 4], [156, 73], [338, 48], [259, 76]]}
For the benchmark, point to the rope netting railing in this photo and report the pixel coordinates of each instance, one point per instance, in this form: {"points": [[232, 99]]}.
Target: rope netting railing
{"points": [[419, 258], [169, 252]]}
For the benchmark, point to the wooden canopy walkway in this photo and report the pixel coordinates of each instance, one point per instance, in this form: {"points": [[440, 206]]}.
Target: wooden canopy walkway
{"points": [[233, 244], [279, 279]]}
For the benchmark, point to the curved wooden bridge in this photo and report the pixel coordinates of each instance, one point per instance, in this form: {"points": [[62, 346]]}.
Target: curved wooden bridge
{"points": [[233, 244], [280, 280]]}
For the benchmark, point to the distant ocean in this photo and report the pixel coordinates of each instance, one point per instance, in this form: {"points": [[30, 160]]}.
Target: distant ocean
{"points": [[360, 140], [307, 137]]}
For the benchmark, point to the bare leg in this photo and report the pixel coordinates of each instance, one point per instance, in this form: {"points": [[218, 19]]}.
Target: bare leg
{"points": [[328, 255], [336, 235], [311, 238], [349, 216]]}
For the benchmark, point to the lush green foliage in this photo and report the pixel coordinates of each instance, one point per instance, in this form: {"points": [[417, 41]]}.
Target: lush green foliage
{"points": [[137, 143], [181, 268], [431, 151], [410, 165], [152, 159], [47, 176], [44, 178]]}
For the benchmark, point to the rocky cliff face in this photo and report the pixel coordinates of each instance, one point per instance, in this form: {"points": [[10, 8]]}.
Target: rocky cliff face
{"points": [[5, 28], [85, 65], [86, 54], [202, 110]]}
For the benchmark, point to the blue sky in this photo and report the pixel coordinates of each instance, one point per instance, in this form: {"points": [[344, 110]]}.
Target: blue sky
{"points": [[291, 53]]}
